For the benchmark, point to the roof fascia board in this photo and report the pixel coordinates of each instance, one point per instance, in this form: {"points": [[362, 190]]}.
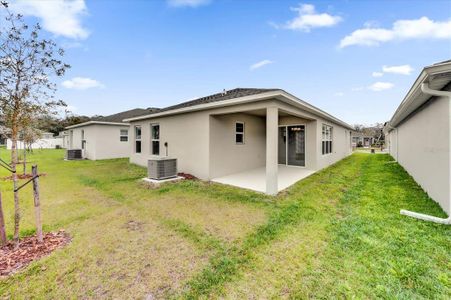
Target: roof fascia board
{"points": [[96, 123]]}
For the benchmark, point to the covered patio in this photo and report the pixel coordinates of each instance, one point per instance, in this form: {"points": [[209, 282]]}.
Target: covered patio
{"points": [[255, 179], [275, 149]]}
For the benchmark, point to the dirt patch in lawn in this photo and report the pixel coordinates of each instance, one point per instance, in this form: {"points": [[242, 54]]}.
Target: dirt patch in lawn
{"points": [[29, 250], [134, 225]]}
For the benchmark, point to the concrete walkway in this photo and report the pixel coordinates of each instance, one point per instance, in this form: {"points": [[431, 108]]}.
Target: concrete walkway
{"points": [[255, 179]]}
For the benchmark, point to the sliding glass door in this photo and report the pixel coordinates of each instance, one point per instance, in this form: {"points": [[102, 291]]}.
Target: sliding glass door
{"points": [[292, 145]]}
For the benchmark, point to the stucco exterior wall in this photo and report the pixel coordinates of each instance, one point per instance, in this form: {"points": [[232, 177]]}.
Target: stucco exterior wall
{"points": [[102, 141], [107, 142], [421, 146], [391, 138], [187, 136], [341, 144], [204, 141], [227, 157]]}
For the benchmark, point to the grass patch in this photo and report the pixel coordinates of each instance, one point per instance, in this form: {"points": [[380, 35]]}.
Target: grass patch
{"points": [[292, 210], [336, 234]]}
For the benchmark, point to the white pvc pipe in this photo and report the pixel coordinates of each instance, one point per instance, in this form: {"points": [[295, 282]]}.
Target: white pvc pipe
{"points": [[424, 217], [425, 89]]}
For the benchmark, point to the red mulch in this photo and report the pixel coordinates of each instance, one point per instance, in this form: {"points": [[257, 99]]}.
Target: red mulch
{"points": [[29, 250], [187, 176], [22, 176]]}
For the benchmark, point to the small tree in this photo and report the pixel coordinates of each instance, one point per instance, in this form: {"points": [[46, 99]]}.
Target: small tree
{"points": [[27, 63]]}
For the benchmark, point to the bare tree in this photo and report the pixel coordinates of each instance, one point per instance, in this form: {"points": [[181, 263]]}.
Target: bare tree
{"points": [[27, 63]]}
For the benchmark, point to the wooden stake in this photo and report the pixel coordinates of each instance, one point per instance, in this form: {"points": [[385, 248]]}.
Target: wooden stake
{"points": [[3, 240], [37, 205]]}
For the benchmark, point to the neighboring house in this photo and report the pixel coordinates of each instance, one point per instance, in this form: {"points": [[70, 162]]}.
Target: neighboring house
{"points": [[46, 140], [260, 139], [65, 136], [104, 137], [359, 139], [418, 135]]}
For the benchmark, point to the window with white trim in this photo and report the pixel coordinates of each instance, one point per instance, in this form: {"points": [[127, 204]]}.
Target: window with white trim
{"points": [[83, 141], [239, 133], [137, 139], [155, 139], [123, 135], [327, 139]]}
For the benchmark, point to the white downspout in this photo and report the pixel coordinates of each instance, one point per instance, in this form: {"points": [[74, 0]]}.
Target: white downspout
{"points": [[425, 89]]}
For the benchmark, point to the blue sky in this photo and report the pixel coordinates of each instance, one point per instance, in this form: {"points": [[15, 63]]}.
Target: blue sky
{"points": [[354, 59]]}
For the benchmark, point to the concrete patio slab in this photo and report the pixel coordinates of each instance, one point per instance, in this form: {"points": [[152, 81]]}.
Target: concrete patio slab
{"points": [[255, 179]]}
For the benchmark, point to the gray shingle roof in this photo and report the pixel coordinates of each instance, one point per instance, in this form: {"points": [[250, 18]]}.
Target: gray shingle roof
{"points": [[119, 117], [231, 94], [442, 62]]}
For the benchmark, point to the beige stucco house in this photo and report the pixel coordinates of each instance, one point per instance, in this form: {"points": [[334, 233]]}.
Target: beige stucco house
{"points": [[103, 137], [418, 135], [359, 139], [260, 139]]}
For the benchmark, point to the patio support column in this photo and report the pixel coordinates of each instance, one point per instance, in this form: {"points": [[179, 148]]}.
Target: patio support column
{"points": [[272, 121]]}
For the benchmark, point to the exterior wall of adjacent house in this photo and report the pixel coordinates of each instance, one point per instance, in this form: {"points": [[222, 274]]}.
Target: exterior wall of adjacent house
{"points": [[204, 141], [102, 141], [421, 145]]}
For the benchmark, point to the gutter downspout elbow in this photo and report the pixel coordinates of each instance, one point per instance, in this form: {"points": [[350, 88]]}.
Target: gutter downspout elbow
{"points": [[427, 90]]}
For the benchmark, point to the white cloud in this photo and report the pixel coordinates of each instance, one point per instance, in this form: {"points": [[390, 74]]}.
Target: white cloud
{"points": [[339, 94], [377, 74], [60, 17], [82, 83], [381, 86], [422, 28], [403, 69], [260, 64], [191, 3], [308, 18]]}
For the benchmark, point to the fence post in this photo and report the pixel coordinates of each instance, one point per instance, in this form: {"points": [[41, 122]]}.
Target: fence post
{"points": [[37, 205], [2, 224]]}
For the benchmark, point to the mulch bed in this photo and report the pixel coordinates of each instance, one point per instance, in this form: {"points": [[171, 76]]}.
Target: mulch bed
{"points": [[22, 176], [12, 260], [187, 176]]}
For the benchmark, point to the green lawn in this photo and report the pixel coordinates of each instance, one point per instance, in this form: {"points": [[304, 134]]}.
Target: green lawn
{"points": [[336, 234]]}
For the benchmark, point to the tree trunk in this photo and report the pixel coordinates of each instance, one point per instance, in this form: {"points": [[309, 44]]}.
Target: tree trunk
{"points": [[3, 240], [37, 204], [15, 186]]}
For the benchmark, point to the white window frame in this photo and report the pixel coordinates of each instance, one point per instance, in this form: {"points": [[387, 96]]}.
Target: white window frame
{"points": [[121, 135], [152, 139], [240, 133], [327, 136], [138, 139], [83, 140]]}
